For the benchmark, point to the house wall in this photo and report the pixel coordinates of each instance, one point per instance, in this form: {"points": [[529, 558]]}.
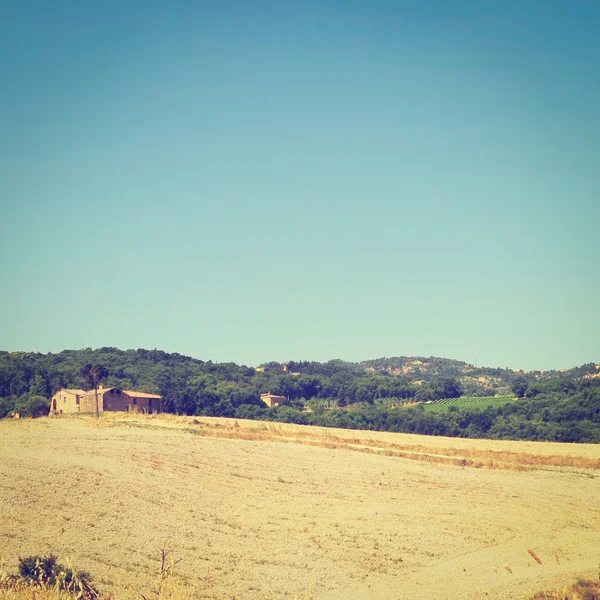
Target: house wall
{"points": [[149, 405], [108, 400], [271, 401], [115, 400], [65, 402], [88, 403]]}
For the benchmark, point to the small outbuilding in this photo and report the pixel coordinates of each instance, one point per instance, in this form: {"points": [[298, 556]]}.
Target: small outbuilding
{"points": [[272, 399]]}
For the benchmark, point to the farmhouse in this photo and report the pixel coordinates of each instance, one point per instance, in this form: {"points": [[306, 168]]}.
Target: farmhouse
{"points": [[109, 399], [272, 399], [67, 401]]}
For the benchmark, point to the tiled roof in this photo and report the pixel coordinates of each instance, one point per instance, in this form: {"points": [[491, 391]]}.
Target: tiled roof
{"points": [[135, 394], [100, 391], [75, 391]]}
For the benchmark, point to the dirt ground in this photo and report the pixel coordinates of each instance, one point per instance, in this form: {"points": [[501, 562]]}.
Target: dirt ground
{"points": [[273, 511]]}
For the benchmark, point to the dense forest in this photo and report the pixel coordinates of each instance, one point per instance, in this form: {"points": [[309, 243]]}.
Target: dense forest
{"points": [[382, 394]]}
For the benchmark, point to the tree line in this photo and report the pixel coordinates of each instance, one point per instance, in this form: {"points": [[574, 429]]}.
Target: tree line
{"points": [[369, 395]]}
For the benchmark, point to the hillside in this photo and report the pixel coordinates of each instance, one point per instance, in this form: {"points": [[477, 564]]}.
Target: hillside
{"points": [[273, 512], [382, 394], [257, 511]]}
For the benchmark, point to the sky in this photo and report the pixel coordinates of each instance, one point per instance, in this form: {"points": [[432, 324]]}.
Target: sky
{"points": [[265, 181]]}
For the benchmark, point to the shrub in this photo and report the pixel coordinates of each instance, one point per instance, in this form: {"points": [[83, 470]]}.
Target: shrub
{"points": [[6, 407], [37, 406], [45, 571], [582, 589]]}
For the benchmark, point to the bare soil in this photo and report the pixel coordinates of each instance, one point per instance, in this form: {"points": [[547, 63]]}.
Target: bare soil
{"points": [[260, 510]]}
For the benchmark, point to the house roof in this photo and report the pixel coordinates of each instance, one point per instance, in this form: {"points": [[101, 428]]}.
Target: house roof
{"points": [[135, 394], [72, 391], [131, 393], [100, 391], [268, 394]]}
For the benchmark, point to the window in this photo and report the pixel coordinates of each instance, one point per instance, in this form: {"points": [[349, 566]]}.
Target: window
{"points": [[76, 399], [135, 400], [64, 399]]}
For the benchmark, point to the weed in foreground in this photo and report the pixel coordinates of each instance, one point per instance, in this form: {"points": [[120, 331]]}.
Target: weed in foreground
{"points": [[582, 589], [46, 574], [534, 556]]}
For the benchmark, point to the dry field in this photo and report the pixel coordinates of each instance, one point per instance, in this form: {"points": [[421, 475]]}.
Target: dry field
{"points": [[259, 510]]}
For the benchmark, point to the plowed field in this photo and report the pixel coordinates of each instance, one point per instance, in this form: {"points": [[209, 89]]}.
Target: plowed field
{"points": [[259, 510]]}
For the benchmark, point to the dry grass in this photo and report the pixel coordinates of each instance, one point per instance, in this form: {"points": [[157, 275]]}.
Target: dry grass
{"points": [[331, 439], [582, 589], [33, 594], [168, 584], [534, 556], [266, 511]]}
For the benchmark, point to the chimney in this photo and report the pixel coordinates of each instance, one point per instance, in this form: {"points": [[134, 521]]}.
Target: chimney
{"points": [[101, 387]]}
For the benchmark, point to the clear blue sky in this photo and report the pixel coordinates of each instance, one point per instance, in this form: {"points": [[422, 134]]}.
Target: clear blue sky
{"points": [[270, 181]]}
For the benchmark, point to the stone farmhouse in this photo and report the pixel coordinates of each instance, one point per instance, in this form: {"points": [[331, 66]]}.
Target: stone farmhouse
{"points": [[67, 401], [272, 399], [109, 399]]}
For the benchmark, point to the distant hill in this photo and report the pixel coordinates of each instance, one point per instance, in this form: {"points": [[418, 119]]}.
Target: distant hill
{"points": [[479, 380], [371, 394]]}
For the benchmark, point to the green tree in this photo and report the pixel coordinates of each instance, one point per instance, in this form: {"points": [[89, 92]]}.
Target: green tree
{"points": [[7, 405], [519, 386], [309, 386], [93, 375], [37, 406], [38, 386]]}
